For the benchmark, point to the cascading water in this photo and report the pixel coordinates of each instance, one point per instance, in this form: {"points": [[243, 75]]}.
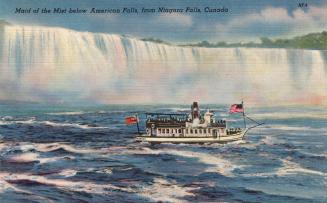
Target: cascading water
{"points": [[57, 64]]}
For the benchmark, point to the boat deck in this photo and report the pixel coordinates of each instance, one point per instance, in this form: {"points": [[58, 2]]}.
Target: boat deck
{"points": [[171, 139]]}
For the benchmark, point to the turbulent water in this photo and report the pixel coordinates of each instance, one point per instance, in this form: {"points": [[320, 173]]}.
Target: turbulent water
{"points": [[55, 64], [87, 154]]}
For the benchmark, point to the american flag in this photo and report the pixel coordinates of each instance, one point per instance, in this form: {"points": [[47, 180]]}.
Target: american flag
{"points": [[236, 108]]}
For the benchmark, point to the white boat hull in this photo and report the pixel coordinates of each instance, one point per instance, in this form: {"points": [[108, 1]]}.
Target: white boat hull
{"points": [[218, 139]]}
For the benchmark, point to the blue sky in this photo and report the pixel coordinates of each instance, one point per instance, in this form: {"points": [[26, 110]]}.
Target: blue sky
{"points": [[246, 20]]}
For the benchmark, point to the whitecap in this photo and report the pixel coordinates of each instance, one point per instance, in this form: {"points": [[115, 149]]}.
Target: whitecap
{"points": [[47, 147], [293, 128], [74, 125], [272, 140], [7, 118], [53, 124], [215, 163], [25, 157], [68, 172], [290, 115], [32, 156], [166, 191], [9, 122], [79, 186], [290, 167], [67, 113]]}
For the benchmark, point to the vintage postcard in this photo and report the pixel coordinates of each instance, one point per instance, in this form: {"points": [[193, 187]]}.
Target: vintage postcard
{"points": [[163, 101]]}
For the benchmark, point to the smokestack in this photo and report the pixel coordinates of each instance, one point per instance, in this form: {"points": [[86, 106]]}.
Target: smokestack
{"points": [[195, 110]]}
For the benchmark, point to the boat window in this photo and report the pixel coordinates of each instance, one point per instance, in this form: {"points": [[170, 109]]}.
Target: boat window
{"points": [[205, 131], [191, 131], [186, 131], [195, 131], [200, 131], [159, 130], [179, 130]]}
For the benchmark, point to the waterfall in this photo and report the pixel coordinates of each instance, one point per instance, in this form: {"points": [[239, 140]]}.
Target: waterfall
{"points": [[57, 64]]}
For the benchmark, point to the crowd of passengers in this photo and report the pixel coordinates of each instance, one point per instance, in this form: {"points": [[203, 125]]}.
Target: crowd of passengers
{"points": [[233, 131], [167, 120]]}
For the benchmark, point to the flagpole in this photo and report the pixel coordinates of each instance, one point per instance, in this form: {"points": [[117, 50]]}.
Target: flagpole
{"points": [[137, 124], [243, 115]]}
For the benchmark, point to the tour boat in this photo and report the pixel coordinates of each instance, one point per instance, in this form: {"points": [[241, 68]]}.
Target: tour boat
{"points": [[189, 128]]}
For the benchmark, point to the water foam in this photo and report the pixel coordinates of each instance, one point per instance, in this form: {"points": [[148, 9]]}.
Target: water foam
{"points": [[215, 164], [290, 168], [290, 115], [70, 113], [78, 186], [48, 147], [74, 125], [33, 121], [166, 191]]}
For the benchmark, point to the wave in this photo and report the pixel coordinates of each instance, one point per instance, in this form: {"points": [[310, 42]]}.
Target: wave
{"points": [[175, 109], [290, 168], [290, 115], [303, 129], [72, 113], [215, 163], [23, 158], [33, 157], [322, 155], [68, 173], [165, 191], [3, 145], [49, 147], [28, 152], [272, 140], [7, 118], [77, 186], [30, 120], [67, 113], [74, 125], [5, 186], [292, 128], [159, 190], [33, 121]]}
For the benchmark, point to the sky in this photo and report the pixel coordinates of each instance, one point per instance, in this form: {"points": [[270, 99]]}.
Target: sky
{"points": [[246, 20]]}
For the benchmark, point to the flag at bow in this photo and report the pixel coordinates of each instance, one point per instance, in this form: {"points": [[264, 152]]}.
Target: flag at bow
{"points": [[236, 108], [131, 120]]}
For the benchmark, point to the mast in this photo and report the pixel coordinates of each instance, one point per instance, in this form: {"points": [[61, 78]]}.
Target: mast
{"points": [[137, 124], [244, 115]]}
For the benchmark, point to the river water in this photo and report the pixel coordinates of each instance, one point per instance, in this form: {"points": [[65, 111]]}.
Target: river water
{"points": [[87, 154]]}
